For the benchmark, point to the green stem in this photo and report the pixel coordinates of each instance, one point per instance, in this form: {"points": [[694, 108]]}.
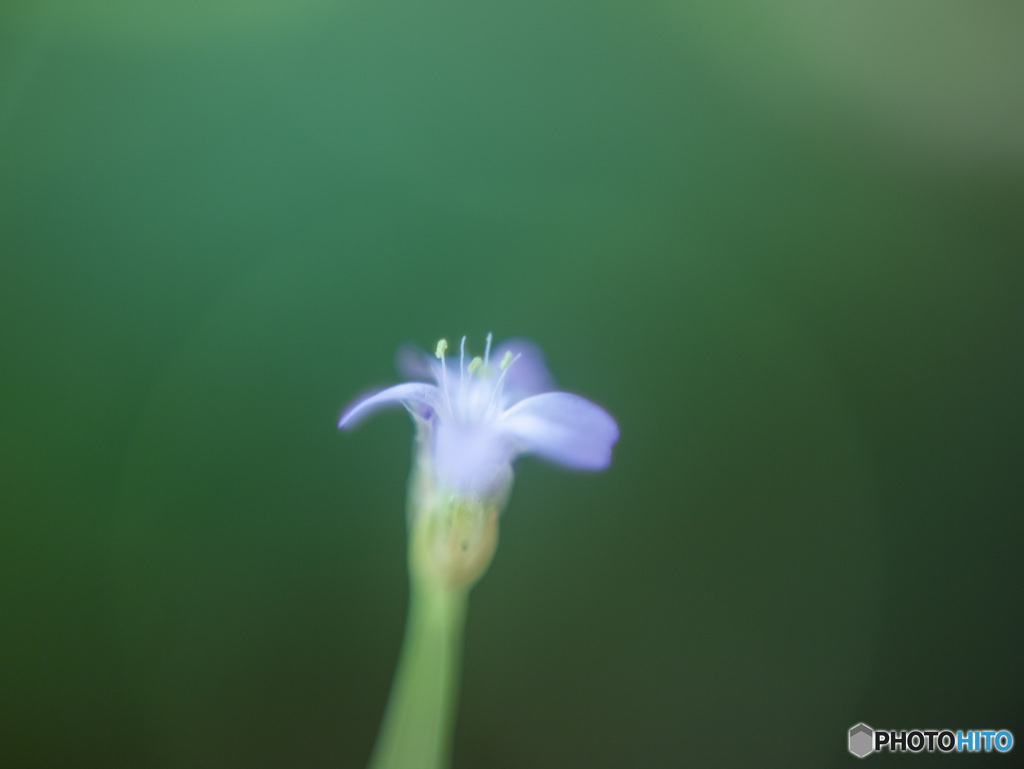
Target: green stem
{"points": [[419, 721]]}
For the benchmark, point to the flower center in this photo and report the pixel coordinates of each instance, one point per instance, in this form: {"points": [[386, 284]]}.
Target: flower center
{"points": [[477, 397]]}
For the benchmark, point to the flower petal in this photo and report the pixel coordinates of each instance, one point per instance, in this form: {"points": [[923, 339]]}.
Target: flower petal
{"points": [[564, 428], [471, 458], [413, 362], [416, 393], [529, 375]]}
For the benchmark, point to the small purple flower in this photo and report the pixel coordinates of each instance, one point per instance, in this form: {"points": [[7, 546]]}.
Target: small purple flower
{"points": [[475, 421]]}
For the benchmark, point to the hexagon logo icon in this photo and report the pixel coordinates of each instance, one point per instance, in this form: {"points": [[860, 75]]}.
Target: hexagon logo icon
{"points": [[862, 738]]}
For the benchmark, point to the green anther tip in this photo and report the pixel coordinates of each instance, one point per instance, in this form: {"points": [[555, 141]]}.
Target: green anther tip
{"points": [[506, 361], [442, 345], [476, 363]]}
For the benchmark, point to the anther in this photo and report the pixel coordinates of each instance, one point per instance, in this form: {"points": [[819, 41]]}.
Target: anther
{"points": [[506, 361], [442, 346], [474, 364]]}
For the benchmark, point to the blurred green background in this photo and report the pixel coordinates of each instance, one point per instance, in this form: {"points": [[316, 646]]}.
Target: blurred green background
{"points": [[782, 246]]}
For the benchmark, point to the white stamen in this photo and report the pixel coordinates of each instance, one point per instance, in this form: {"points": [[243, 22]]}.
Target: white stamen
{"points": [[487, 349], [442, 345], [462, 368], [506, 364]]}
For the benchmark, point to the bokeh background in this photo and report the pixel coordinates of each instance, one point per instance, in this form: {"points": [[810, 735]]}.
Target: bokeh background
{"points": [[781, 243]]}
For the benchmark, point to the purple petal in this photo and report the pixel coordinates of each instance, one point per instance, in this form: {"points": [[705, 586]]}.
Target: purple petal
{"points": [[415, 393], [527, 376], [564, 428], [414, 362], [470, 458]]}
